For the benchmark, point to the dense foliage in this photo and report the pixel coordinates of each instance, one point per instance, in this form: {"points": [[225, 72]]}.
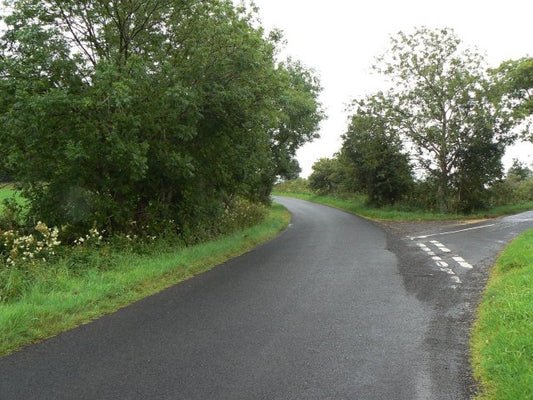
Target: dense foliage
{"points": [[146, 110], [326, 176], [515, 78], [373, 148], [436, 138]]}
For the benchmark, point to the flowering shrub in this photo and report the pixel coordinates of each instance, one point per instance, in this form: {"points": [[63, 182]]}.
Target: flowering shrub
{"points": [[94, 238], [241, 213], [29, 257], [17, 249]]}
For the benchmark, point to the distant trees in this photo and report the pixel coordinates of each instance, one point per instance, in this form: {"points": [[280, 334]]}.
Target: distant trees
{"points": [[517, 186], [519, 171], [325, 177], [440, 118], [115, 111]]}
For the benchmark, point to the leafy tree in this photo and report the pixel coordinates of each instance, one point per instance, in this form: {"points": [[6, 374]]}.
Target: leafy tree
{"points": [[481, 167], [514, 85], [298, 123], [443, 107], [517, 186], [325, 176], [519, 171], [146, 110], [375, 150]]}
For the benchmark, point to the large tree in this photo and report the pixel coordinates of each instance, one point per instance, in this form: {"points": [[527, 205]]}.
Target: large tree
{"points": [[376, 153], [114, 111], [443, 108]]}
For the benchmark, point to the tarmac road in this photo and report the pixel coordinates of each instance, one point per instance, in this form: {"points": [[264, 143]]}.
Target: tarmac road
{"points": [[336, 307]]}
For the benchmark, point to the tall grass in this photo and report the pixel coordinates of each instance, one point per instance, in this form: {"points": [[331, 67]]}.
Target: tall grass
{"points": [[91, 281], [502, 341]]}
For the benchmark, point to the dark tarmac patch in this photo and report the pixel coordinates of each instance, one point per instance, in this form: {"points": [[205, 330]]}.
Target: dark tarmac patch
{"points": [[454, 309]]}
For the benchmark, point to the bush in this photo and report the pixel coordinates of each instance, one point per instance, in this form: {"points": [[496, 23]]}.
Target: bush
{"points": [[299, 185], [22, 256], [36, 255], [512, 190]]}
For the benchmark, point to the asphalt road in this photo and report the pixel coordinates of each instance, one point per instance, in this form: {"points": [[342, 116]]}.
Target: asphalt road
{"points": [[336, 307]]}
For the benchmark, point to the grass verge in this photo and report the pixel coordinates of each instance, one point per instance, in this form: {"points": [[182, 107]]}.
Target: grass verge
{"points": [[55, 306], [356, 205], [502, 341]]}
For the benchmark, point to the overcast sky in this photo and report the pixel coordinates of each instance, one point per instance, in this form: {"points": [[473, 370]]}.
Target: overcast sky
{"points": [[341, 38]]}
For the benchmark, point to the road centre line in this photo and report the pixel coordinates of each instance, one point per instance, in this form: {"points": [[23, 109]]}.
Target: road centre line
{"points": [[451, 232]]}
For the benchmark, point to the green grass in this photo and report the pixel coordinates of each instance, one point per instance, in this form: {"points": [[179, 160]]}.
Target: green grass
{"points": [[502, 341], [67, 300], [356, 205]]}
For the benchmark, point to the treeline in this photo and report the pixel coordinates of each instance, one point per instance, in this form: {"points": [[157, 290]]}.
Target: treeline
{"points": [[436, 138], [116, 114]]}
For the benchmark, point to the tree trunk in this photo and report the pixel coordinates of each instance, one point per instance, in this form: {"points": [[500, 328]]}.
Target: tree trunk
{"points": [[442, 197], [442, 190]]}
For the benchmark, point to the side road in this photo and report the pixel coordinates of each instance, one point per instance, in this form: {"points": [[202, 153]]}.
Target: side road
{"points": [[465, 254]]}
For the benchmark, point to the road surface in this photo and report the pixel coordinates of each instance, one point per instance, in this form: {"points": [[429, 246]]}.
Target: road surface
{"points": [[336, 307]]}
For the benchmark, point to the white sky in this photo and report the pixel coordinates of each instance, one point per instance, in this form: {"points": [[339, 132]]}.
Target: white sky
{"points": [[341, 38]]}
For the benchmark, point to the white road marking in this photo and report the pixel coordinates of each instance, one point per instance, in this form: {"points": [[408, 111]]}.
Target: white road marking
{"points": [[426, 249], [440, 246], [451, 232], [462, 262], [456, 279], [443, 265]]}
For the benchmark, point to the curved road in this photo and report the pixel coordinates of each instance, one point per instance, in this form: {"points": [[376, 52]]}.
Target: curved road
{"points": [[324, 311]]}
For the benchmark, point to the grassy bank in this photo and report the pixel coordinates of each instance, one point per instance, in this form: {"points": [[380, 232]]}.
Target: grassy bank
{"points": [[356, 205], [502, 342], [62, 299]]}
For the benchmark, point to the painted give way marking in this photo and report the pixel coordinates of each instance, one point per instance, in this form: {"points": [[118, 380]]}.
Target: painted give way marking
{"points": [[443, 257]]}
